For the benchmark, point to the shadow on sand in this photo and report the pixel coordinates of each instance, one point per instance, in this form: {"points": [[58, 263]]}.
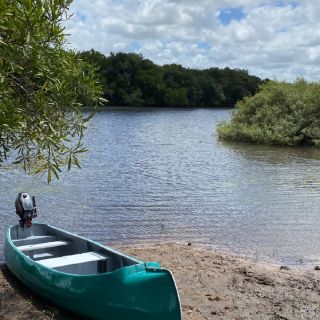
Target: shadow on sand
{"points": [[18, 302]]}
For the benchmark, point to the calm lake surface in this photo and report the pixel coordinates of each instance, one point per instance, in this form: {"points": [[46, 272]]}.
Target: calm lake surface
{"points": [[162, 175]]}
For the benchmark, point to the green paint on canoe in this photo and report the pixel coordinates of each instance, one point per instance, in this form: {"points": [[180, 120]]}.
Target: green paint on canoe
{"points": [[139, 292]]}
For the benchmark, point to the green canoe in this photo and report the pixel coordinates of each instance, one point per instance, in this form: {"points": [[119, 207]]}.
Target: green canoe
{"points": [[89, 279]]}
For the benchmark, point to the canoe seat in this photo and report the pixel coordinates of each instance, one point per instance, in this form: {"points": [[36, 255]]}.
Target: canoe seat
{"points": [[73, 259], [41, 256], [44, 245], [34, 240]]}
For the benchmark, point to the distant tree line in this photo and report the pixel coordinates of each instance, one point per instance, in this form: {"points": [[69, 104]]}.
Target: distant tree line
{"points": [[131, 80]]}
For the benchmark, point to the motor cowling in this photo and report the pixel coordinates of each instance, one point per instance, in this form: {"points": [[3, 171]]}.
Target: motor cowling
{"points": [[26, 209]]}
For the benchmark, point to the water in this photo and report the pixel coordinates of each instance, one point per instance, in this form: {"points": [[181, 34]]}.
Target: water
{"points": [[162, 175]]}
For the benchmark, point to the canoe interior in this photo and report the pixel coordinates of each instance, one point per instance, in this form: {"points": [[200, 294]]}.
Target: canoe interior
{"points": [[65, 252]]}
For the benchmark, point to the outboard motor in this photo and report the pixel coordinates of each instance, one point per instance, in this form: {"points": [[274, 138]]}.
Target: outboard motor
{"points": [[26, 209]]}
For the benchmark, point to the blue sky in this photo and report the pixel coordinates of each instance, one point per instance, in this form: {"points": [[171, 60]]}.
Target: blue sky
{"points": [[277, 39], [228, 15]]}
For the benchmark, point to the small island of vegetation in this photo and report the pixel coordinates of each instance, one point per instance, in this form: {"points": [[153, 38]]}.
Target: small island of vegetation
{"points": [[279, 114]]}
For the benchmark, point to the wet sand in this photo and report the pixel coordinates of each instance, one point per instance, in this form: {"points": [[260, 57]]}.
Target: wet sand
{"points": [[211, 285]]}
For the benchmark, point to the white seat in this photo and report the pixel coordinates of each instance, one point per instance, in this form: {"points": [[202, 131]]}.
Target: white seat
{"points": [[31, 238], [73, 259], [34, 240], [44, 245], [40, 256]]}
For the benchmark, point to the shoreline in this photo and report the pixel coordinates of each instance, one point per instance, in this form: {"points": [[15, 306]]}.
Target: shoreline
{"points": [[253, 258], [211, 284]]}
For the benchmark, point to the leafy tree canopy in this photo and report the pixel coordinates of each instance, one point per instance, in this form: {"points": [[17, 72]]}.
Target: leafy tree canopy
{"points": [[281, 114], [42, 87], [131, 80]]}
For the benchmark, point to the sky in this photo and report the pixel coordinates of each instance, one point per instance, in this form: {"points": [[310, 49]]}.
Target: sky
{"points": [[275, 39]]}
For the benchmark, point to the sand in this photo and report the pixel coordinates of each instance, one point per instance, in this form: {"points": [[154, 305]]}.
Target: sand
{"points": [[211, 285]]}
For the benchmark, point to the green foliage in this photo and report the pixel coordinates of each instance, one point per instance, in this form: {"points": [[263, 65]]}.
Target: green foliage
{"points": [[42, 87], [281, 114], [131, 80]]}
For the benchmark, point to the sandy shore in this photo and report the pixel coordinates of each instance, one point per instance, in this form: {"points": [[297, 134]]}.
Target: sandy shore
{"points": [[211, 286]]}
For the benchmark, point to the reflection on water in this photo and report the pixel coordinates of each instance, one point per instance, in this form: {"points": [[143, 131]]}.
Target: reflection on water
{"points": [[155, 175]]}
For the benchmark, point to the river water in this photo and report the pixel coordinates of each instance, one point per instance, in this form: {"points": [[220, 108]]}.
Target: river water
{"points": [[162, 175]]}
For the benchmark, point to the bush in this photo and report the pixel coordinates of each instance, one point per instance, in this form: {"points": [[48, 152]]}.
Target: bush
{"points": [[280, 113]]}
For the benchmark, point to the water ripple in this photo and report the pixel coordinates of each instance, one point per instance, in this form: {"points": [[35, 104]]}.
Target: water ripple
{"points": [[162, 175]]}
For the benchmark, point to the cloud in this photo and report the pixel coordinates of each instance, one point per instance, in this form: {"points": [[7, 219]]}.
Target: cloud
{"points": [[270, 38]]}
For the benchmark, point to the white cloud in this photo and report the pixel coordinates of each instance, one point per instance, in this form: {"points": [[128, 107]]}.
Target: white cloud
{"points": [[271, 40]]}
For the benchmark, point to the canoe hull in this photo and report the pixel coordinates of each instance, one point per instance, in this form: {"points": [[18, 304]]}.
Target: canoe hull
{"points": [[129, 293]]}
